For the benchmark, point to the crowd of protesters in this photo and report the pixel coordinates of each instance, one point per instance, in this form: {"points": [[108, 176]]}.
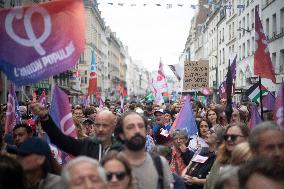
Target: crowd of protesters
{"points": [[136, 148]]}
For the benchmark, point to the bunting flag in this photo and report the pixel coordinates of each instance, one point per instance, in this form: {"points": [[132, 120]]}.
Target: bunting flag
{"points": [[278, 113], [255, 117], [44, 38], [93, 76], [262, 62], [60, 111], [177, 70], [185, 119], [268, 101], [254, 93], [168, 6], [13, 115], [42, 99]]}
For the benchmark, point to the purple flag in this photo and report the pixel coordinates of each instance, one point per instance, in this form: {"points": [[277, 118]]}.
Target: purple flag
{"points": [[234, 74], [39, 40], [60, 112], [268, 101], [255, 117], [186, 119], [13, 115]]}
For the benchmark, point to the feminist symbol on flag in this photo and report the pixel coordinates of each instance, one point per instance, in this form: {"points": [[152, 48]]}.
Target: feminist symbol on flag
{"points": [[32, 41], [64, 126]]}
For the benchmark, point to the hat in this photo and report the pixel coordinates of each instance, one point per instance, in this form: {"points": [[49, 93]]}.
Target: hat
{"points": [[139, 111], [149, 102], [87, 120], [159, 111], [33, 145]]}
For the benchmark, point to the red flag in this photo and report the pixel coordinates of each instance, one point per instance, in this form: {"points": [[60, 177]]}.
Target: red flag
{"points": [[93, 76], [278, 108], [262, 62], [42, 99], [121, 89]]}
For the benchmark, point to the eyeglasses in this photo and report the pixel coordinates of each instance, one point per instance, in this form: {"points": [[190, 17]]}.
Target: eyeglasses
{"points": [[119, 175], [233, 138]]}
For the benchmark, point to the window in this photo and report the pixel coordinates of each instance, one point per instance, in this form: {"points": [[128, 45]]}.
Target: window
{"points": [[240, 51], [223, 34], [252, 45], [281, 61], [282, 20], [244, 50], [273, 59], [252, 19], [274, 25], [233, 29], [248, 47], [248, 26], [230, 32], [223, 56], [267, 27]]}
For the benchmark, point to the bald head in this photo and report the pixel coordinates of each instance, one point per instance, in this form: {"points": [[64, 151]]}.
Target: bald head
{"points": [[104, 126]]}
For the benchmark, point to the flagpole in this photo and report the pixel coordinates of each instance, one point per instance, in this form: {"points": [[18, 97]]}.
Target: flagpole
{"points": [[261, 106]]}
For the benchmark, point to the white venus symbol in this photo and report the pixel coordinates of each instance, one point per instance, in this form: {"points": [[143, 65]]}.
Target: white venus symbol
{"points": [[32, 41]]}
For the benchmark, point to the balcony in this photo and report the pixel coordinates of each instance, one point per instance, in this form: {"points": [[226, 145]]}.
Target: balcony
{"points": [[276, 35]]}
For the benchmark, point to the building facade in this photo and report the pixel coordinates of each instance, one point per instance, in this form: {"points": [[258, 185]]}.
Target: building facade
{"points": [[229, 30]]}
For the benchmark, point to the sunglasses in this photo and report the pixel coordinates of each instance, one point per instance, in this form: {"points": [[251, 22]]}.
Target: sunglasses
{"points": [[233, 138], [119, 175]]}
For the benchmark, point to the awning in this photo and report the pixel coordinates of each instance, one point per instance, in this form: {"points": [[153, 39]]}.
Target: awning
{"points": [[71, 92]]}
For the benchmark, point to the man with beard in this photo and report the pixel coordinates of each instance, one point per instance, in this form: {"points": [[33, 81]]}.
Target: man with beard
{"points": [[94, 147], [131, 129], [267, 141]]}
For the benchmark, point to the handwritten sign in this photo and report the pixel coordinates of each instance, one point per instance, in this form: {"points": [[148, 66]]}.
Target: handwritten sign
{"points": [[196, 75]]}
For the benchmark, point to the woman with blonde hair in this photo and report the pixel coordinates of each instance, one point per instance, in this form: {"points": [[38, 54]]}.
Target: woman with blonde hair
{"points": [[234, 135], [241, 154]]}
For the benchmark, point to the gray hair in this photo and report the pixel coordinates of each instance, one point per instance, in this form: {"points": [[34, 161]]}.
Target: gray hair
{"points": [[259, 129], [65, 174], [227, 175], [180, 132]]}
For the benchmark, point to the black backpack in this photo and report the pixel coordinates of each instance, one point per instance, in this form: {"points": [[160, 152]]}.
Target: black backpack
{"points": [[159, 167]]}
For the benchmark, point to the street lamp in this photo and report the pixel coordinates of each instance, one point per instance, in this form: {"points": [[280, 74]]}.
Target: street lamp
{"points": [[243, 29]]}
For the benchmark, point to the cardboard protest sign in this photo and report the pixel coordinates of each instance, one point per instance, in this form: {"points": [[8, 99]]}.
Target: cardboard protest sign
{"points": [[196, 74]]}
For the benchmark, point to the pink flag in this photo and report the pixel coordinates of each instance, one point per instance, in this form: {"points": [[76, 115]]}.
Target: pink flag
{"points": [[278, 113], [42, 99], [11, 110]]}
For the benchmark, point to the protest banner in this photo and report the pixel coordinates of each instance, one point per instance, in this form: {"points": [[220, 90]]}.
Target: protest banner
{"points": [[196, 75]]}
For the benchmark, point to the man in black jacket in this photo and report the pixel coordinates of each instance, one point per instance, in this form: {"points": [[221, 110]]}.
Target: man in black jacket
{"points": [[94, 147]]}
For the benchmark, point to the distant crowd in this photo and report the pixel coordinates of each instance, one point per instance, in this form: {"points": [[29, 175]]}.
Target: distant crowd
{"points": [[142, 147]]}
